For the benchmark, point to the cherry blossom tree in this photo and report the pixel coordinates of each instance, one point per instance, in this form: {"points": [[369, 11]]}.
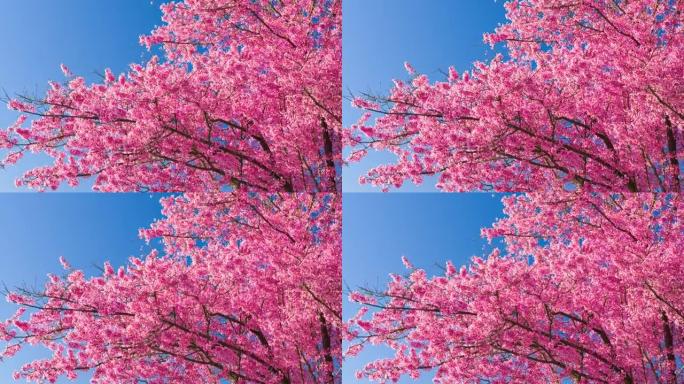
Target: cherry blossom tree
{"points": [[589, 93], [246, 96], [246, 290], [590, 290]]}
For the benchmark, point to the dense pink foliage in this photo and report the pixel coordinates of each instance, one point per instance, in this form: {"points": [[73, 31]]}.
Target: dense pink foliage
{"points": [[247, 289], [591, 92], [248, 95], [591, 289], [588, 101]]}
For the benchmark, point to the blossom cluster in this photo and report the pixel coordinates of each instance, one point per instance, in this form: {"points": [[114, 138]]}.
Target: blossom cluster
{"points": [[246, 95], [241, 290]]}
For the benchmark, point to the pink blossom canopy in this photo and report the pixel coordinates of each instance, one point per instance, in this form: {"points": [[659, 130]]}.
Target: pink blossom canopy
{"points": [[248, 95], [589, 93], [247, 288], [590, 289]]}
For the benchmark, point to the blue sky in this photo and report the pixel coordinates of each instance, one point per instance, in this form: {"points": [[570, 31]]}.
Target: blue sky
{"points": [[88, 36], [428, 228], [379, 35], [86, 228]]}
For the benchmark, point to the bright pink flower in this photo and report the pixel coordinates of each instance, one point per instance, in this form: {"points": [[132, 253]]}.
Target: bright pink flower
{"points": [[258, 111], [406, 262], [259, 294], [589, 96], [594, 281], [109, 76], [409, 68], [64, 263], [65, 70]]}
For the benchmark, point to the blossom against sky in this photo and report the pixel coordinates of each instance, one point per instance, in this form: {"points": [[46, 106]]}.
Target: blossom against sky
{"points": [[86, 229], [87, 36], [427, 228], [379, 36]]}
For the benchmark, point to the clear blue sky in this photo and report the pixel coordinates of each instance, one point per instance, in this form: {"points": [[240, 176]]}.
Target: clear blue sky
{"points": [[428, 228], [379, 35], [88, 36], [86, 228]]}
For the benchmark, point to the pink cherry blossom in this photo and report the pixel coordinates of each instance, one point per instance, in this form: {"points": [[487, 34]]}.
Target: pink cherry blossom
{"points": [[64, 263], [590, 94], [406, 262], [65, 70], [247, 96], [247, 289], [409, 68], [590, 289]]}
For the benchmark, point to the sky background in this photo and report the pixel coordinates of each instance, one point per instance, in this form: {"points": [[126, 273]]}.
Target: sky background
{"points": [[380, 35], [427, 228], [88, 36], [86, 228]]}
